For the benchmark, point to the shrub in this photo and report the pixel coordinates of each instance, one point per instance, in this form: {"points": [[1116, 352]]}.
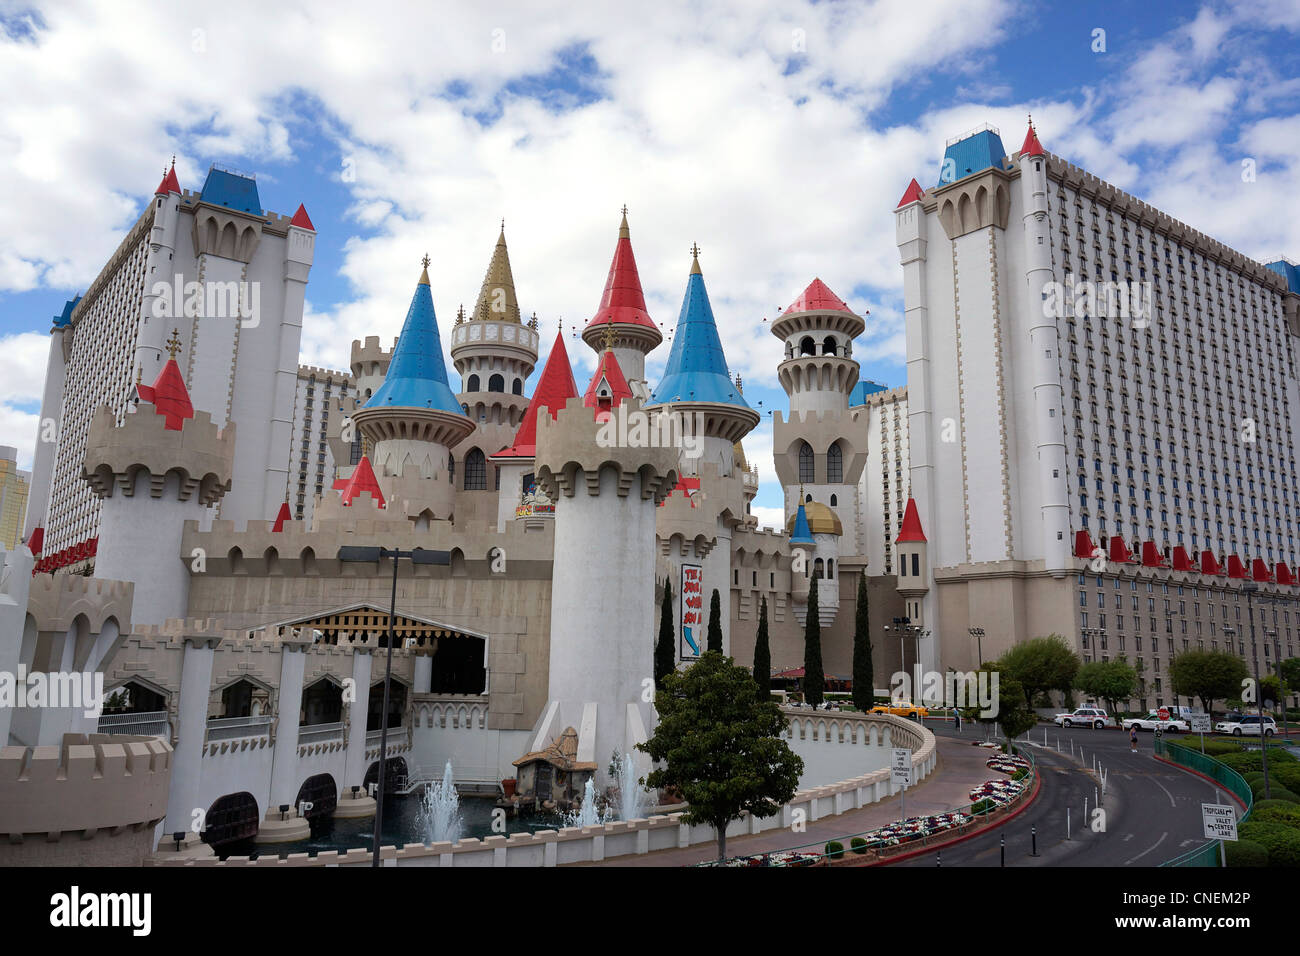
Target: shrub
{"points": [[1277, 811], [1281, 841], [1253, 777], [834, 850], [1020, 774], [1288, 775], [858, 844], [982, 806], [1246, 853]]}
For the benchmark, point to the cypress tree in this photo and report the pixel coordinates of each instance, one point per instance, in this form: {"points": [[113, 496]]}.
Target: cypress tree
{"points": [[863, 677], [814, 679], [715, 623], [763, 656], [665, 649]]}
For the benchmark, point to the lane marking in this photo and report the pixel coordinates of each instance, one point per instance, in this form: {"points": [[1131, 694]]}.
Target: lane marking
{"points": [[1147, 850]]}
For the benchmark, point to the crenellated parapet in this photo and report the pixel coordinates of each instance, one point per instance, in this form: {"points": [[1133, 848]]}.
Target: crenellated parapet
{"points": [[849, 429], [96, 788], [574, 443], [693, 516], [200, 454], [56, 600]]}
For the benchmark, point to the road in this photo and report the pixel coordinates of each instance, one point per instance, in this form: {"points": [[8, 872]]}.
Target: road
{"points": [[1151, 811]]}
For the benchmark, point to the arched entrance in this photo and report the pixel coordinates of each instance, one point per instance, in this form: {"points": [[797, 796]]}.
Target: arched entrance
{"points": [[322, 793], [231, 817]]}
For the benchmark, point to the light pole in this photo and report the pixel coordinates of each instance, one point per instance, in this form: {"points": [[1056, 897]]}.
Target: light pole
{"points": [[978, 634], [1250, 587], [373, 556]]}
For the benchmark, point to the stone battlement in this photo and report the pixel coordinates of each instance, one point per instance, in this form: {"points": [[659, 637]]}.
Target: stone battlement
{"points": [[87, 785], [200, 453], [55, 601], [325, 374]]}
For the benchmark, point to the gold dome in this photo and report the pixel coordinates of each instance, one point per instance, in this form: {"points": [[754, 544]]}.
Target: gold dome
{"points": [[821, 520], [738, 457]]}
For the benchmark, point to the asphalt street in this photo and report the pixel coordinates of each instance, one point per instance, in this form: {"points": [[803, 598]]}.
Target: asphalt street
{"points": [[1150, 811]]}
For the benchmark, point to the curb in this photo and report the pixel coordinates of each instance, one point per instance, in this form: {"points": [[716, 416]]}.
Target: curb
{"points": [[1218, 785]]}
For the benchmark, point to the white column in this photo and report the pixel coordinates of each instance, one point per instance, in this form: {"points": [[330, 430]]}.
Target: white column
{"points": [[284, 766], [51, 411], [158, 312], [354, 771], [423, 674], [191, 733]]}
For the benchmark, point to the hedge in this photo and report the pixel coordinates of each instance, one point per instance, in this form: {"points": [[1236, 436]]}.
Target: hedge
{"points": [[1281, 841], [834, 849], [859, 845], [1277, 811], [1245, 853]]}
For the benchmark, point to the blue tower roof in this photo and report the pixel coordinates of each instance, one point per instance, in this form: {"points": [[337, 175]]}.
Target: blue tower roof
{"points": [[1289, 271], [802, 533], [231, 190], [980, 150], [697, 369], [64, 318], [864, 388], [417, 374]]}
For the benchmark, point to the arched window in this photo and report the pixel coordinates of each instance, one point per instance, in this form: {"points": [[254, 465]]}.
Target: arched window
{"points": [[807, 470], [451, 468], [834, 500], [834, 464], [819, 568], [518, 387], [475, 471], [807, 346], [497, 383], [828, 345], [830, 568], [472, 384]]}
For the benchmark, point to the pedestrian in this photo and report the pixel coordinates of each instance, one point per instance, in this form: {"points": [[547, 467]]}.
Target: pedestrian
{"points": [[1133, 738], [956, 719]]}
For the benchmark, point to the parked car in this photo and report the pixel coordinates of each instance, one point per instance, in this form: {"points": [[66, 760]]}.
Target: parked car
{"points": [[1247, 725], [1152, 721], [901, 708], [1084, 717]]}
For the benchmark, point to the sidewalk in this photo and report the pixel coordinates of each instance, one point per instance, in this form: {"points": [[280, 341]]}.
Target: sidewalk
{"points": [[960, 767]]}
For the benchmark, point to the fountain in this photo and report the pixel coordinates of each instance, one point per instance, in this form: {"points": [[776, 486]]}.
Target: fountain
{"points": [[633, 799], [440, 810], [588, 815]]}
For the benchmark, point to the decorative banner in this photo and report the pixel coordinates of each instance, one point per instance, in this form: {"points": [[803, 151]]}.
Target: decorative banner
{"points": [[691, 641]]}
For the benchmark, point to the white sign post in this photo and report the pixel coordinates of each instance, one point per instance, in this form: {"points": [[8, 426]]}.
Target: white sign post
{"points": [[1220, 823], [1201, 725], [902, 773]]}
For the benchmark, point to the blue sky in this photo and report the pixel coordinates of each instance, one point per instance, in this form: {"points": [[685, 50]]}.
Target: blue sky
{"points": [[777, 136]]}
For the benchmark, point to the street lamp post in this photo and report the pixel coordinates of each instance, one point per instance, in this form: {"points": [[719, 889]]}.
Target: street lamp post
{"points": [[373, 556], [978, 634], [1250, 587]]}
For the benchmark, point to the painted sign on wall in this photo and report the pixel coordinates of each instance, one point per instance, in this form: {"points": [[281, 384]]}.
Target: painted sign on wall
{"points": [[691, 640]]}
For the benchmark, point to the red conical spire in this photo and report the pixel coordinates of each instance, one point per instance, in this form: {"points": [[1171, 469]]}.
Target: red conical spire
{"points": [[301, 219], [911, 530], [282, 517], [607, 370], [168, 393], [169, 182], [1031, 145], [817, 298], [912, 194], [554, 389], [623, 301], [363, 479]]}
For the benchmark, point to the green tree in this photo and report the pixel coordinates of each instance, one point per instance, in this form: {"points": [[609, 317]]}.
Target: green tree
{"points": [[1042, 664], [719, 743], [1011, 710], [814, 677], [763, 655], [666, 646], [1111, 681], [863, 677], [1209, 675], [715, 623], [1270, 688], [1291, 672]]}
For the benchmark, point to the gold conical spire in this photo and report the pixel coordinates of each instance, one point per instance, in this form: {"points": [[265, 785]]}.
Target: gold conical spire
{"points": [[496, 300], [424, 273], [623, 231], [695, 260]]}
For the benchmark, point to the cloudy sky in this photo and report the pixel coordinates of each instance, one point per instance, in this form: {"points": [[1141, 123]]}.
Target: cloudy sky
{"points": [[779, 136]]}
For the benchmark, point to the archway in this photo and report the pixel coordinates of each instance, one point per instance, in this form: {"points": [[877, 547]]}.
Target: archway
{"points": [[322, 793], [231, 817], [322, 703], [395, 769], [396, 704]]}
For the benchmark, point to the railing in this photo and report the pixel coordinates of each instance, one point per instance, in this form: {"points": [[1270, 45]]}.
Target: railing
{"points": [[1208, 853], [374, 737], [319, 733], [149, 723], [232, 728], [468, 779]]}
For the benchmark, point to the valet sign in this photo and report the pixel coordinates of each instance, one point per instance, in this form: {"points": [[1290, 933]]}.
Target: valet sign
{"points": [[692, 604]]}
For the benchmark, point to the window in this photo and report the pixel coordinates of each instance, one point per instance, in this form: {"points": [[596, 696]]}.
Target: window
{"points": [[475, 471], [497, 383], [916, 565], [807, 472], [834, 464], [472, 384]]}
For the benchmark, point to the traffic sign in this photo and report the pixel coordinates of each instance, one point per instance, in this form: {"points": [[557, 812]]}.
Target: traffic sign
{"points": [[1219, 821], [902, 765], [1163, 713], [1200, 723]]}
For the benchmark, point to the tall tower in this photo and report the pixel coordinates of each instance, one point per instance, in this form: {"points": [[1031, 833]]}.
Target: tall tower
{"points": [[602, 589], [622, 307], [1049, 398], [697, 392], [160, 267], [414, 418], [821, 451], [163, 466]]}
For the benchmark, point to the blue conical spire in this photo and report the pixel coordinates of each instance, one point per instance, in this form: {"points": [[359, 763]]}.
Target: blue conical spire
{"points": [[802, 533], [697, 369], [417, 374]]}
